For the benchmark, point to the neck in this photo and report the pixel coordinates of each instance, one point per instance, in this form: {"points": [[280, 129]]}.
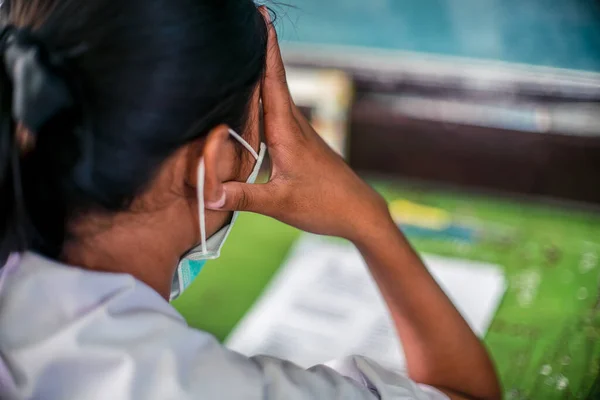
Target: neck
{"points": [[141, 249]]}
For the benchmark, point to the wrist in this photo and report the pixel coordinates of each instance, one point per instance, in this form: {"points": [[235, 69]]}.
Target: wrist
{"points": [[374, 225]]}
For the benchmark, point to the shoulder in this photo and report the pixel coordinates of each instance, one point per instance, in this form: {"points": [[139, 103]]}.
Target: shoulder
{"points": [[70, 333], [66, 332]]}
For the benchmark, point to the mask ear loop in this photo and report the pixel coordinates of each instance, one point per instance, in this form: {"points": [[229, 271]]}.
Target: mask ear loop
{"points": [[201, 210], [200, 189], [244, 143]]}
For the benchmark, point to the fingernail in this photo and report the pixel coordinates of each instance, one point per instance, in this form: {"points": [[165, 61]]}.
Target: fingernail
{"points": [[217, 205]]}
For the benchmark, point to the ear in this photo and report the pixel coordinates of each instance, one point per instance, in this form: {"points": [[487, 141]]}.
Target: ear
{"points": [[219, 156]]}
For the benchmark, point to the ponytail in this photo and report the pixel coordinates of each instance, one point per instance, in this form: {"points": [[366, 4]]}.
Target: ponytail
{"points": [[31, 94]]}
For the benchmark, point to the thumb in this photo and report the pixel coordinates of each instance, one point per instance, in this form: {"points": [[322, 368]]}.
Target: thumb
{"points": [[237, 196]]}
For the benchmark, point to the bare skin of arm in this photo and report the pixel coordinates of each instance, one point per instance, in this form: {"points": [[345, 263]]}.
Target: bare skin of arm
{"points": [[313, 189], [441, 350]]}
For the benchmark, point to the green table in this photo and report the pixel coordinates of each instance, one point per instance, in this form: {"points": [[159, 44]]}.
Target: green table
{"points": [[545, 338]]}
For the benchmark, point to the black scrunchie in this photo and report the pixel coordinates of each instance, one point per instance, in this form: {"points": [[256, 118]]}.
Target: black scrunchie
{"points": [[39, 92]]}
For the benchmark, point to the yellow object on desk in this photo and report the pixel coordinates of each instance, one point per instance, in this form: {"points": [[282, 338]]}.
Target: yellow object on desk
{"points": [[406, 212]]}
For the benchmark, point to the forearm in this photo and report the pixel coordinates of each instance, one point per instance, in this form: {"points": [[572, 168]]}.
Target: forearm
{"points": [[441, 350]]}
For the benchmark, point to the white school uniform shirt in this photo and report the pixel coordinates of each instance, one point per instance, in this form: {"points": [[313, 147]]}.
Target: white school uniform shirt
{"points": [[69, 333]]}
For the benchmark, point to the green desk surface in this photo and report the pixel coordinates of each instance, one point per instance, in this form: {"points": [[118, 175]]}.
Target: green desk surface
{"points": [[545, 338]]}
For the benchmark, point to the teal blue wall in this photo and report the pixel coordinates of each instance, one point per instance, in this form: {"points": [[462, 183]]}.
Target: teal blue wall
{"points": [[557, 33]]}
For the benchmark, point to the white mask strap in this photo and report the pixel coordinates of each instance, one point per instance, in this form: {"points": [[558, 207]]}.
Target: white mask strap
{"points": [[202, 217], [201, 172], [244, 143]]}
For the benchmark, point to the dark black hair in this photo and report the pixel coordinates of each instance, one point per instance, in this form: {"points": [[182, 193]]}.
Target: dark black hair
{"points": [[146, 76]]}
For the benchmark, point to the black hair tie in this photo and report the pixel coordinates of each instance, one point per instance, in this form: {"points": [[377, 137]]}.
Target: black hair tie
{"points": [[39, 92]]}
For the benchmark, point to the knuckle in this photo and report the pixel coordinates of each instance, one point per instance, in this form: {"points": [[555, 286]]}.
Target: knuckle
{"points": [[245, 200]]}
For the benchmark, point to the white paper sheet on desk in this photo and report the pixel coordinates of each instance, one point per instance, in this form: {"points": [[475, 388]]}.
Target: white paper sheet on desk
{"points": [[324, 305]]}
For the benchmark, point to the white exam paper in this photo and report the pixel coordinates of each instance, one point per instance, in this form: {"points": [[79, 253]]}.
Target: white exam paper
{"points": [[323, 305]]}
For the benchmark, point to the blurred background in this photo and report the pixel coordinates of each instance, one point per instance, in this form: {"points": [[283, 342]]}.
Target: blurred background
{"points": [[479, 121]]}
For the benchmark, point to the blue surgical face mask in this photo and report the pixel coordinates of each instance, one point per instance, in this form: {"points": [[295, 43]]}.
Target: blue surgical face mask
{"points": [[209, 249]]}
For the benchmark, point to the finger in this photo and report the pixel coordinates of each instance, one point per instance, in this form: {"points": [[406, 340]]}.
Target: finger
{"points": [[275, 92], [239, 196]]}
